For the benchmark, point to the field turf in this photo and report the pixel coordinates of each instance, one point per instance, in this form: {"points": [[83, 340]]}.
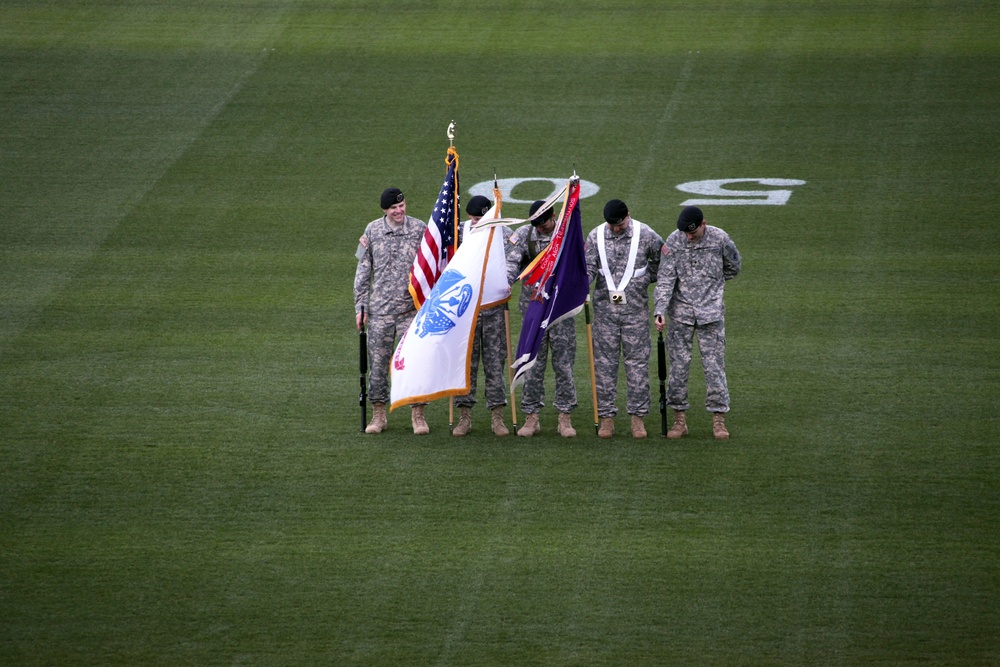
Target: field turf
{"points": [[183, 481]]}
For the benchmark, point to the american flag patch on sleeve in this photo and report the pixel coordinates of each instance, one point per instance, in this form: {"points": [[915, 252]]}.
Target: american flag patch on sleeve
{"points": [[362, 247]]}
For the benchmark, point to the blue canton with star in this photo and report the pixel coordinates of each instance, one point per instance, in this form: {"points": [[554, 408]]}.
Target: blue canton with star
{"points": [[444, 213]]}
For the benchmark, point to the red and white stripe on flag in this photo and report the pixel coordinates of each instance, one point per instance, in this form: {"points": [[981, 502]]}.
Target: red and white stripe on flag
{"points": [[437, 246], [427, 265]]}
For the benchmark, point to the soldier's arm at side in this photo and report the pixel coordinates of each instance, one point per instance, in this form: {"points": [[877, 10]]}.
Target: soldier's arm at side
{"points": [[654, 254], [731, 260], [362, 280], [666, 279], [592, 256]]}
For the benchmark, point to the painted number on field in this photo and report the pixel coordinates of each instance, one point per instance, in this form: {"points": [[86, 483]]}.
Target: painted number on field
{"points": [[722, 196], [714, 191], [507, 185]]}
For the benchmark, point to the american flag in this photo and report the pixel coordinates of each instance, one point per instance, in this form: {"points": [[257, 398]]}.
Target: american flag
{"points": [[438, 245]]}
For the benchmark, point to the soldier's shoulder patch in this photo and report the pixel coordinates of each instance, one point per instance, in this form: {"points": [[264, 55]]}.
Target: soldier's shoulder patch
{"points": [[665, 250], [514, 238], [362, 247]]}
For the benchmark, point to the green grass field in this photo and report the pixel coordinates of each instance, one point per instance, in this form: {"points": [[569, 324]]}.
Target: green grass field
{"points": [[182, 187]]}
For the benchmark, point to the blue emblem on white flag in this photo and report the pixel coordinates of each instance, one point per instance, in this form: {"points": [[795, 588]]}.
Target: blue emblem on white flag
{"points": [[448, 301], [432, 359]]}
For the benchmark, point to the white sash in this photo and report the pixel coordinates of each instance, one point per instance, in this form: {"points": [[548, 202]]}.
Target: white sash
{"points": [[618, 291]]}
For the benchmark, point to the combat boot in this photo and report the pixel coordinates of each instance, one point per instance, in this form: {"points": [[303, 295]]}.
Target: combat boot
{"points": [[719, 426], [565, 428], [464, 421], [379, 421], [417, 418], [638, 427], [496, 421], [531, 426], [607, 428], [680, 427]]}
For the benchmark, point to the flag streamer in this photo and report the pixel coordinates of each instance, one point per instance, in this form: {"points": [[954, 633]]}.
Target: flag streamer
{"points": [[558, 276]]}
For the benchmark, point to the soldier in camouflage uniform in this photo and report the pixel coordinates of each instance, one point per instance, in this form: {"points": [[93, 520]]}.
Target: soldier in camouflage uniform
{"points": [[489, 342], [525, 244], [381, 284], [623, 257], [697, 261]]}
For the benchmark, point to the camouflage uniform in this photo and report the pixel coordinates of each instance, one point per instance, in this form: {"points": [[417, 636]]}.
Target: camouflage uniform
{"points": [[490, 343], [622, 330], [381, 284], [689, 290], [525, 243]]}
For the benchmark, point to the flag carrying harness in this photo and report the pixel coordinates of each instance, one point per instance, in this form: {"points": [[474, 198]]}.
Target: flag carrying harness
{"points": [[618, 290]]}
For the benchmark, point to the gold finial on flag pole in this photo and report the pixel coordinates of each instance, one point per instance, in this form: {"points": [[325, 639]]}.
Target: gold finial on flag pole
{"points": [[451, 133]]}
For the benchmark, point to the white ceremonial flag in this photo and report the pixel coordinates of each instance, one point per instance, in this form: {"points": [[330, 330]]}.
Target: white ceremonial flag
{"points": [[432, 358]]}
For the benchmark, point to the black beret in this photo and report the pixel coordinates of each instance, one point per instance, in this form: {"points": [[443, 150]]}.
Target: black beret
{"points": [[615, 211], [544, 217], [478, 205], [690, 219], [391, 197]]}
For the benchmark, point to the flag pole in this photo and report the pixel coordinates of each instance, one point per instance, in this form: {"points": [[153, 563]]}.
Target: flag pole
{"points": [[498, 201], [451, 146], [363, 367], [590, 345], [510, 371], [590, 348]]}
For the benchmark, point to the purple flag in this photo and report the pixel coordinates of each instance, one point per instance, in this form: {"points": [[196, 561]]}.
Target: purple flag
{"points": [[563, 293]]}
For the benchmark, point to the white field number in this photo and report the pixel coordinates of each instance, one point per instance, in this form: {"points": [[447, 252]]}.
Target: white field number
{"points": [[507, 185], [722, 196], [714, 191]]}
